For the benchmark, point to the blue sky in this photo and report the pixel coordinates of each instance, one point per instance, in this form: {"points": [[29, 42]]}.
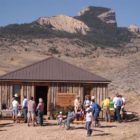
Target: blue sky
{"points": [[25, 11]]}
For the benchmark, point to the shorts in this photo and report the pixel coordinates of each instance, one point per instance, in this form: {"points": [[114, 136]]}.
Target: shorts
{"points": [[31, 115], [15, 111]]}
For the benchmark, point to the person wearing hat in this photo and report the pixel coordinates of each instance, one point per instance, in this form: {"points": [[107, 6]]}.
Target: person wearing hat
{"points": [[40, 109], [88, 120], [15, 105], [59, 119]]}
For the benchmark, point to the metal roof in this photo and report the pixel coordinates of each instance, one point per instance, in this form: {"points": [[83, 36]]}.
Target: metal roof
{"points": [[52, 69]]}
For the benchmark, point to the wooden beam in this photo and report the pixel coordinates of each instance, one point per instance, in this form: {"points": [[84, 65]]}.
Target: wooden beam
{"points": [[49, 102], [0, 97]]}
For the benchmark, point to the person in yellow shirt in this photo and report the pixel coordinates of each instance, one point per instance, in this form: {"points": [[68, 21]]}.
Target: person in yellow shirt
{"points": [[105, 105]]}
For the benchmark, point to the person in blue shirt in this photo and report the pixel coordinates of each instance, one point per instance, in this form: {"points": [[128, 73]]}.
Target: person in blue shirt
{"points": [[118, 104], [25, 108], [95, 108]]}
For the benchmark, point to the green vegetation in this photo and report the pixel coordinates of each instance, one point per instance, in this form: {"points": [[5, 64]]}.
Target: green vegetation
{"points": [[53, 50]]}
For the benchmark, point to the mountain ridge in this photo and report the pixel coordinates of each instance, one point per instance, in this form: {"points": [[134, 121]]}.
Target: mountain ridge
{"points": [[106, 49]]}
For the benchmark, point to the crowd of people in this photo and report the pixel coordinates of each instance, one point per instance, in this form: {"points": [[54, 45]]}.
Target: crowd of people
{"points": [[88, 111], [31, 112]]}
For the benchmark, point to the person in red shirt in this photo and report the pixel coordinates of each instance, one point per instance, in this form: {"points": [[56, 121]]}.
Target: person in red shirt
{"points": [[40, 109]]}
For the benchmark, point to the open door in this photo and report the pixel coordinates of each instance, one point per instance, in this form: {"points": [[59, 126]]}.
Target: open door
{"points": [[42, 92]]}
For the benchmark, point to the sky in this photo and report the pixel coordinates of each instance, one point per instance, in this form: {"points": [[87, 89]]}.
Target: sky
{"points": [[26, 11]]}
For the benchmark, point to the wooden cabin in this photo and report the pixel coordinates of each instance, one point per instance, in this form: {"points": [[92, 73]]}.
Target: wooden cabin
{"points": [[54, 80]]}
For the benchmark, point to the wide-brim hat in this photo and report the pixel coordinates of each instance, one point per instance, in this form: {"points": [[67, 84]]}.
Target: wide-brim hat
{"points": [[16, 95]]}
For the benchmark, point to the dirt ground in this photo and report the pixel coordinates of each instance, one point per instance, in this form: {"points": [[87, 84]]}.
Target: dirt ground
{"points": [[50, 131]]}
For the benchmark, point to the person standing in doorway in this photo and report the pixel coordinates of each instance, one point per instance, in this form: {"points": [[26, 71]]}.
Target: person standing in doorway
{"points": [[25, 108], [40, 109], [86, 101]]}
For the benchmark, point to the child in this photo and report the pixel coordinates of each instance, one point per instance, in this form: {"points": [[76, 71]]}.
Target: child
{"points": [[59, 119], [88, 121]]}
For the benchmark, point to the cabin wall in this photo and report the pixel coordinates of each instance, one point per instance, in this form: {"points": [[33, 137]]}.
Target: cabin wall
{"points": [[7, 93], [100, 91], [61, 90]]}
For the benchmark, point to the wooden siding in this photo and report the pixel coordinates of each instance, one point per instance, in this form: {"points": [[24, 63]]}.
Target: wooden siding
{"points": [[100, 91]]}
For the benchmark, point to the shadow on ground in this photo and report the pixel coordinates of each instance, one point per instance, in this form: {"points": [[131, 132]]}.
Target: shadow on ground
{"points": [[6, 124], [108, 126], [103, 134]]}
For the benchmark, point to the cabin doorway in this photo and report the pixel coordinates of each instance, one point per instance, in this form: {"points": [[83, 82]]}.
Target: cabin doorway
{"points": [[87, 90], [42, 92]]}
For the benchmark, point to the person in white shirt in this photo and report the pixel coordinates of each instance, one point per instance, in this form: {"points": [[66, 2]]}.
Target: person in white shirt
{"points": [[87, 100], [15, 105], [88, 121], [117, 105]]}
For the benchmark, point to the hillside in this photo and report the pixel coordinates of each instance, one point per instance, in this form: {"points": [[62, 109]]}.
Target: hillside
{"points": [[90, 40]]}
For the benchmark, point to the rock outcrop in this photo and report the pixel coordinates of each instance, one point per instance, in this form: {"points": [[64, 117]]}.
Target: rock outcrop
{"points": [[108, 17], [134, 28], [64, 23]]}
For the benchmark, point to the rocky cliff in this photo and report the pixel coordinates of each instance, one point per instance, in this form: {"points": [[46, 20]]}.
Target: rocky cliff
{"points": [[106, 15], [134, 28], [64, 23]]}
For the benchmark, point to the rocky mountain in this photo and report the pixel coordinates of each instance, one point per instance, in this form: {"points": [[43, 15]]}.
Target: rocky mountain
{"points": [[94, 25], [64, 23]]}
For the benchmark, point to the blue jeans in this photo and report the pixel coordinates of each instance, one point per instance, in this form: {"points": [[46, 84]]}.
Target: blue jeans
{"points": [[88, 127], [40, 117], [96, 115], [59, 121], [68, 121], [118, 109], [25, 111]]}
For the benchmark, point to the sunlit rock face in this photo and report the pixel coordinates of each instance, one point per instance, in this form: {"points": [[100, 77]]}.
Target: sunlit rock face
{"points": [[134, 28], [64, 23]]}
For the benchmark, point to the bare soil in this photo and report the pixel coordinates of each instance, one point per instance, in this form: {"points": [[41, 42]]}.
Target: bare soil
{"points": [[108, 131]]}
